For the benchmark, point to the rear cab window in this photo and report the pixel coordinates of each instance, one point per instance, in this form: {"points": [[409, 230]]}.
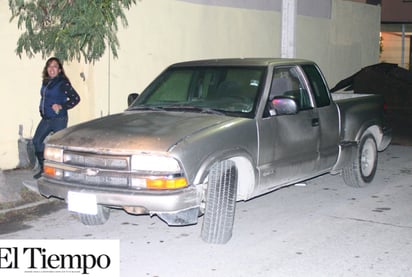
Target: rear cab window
{"points": [[317, 84]]}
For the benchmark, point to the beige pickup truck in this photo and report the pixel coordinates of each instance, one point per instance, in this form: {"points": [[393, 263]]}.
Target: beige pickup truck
{"points": [[206, 134]]}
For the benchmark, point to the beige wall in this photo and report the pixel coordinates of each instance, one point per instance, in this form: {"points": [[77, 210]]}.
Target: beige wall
{"points": [[19, 94], [161, 32], [165, 31], [349, 41]]}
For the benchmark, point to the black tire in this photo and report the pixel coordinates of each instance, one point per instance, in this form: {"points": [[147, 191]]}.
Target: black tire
{"points": [[103, 214], [220, 203], [363, 168]]}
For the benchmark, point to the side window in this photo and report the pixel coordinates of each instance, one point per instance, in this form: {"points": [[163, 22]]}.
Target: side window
{"points": [[320, 91], [286, 81]]}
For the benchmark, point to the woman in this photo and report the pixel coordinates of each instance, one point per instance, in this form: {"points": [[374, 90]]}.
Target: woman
{"points": [[57, 96]]}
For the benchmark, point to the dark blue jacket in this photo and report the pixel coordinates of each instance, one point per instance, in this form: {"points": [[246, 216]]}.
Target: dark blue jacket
{"points": [[57, 91]]}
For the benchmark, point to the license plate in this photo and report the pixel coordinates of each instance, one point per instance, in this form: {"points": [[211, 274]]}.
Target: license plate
{"points": [[84, 203]]}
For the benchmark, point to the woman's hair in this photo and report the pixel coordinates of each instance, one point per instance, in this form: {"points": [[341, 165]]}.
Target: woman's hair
{"points": [[45, 75]]}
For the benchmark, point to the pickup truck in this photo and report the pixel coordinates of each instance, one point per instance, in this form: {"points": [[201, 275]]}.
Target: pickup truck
{"points": [[206, 134]]}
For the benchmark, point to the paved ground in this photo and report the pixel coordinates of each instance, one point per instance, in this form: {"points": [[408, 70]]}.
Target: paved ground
{"points": [[322, 229]]}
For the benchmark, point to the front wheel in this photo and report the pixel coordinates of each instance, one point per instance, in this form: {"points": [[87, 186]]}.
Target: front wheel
{"points": [[220, 203], [363, 168], [103, 214]]}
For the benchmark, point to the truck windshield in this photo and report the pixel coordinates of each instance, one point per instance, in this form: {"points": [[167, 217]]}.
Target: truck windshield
{"points": [[228, 90]]}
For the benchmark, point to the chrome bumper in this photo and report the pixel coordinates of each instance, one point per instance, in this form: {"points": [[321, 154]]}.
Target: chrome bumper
{"points": [[153, 202]]}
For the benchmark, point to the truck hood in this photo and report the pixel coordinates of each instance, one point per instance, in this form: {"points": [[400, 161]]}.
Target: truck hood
{"points": [[137, 131]]}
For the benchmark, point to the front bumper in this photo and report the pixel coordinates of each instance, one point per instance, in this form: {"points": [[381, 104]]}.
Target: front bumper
{"points": [[152, 202]]}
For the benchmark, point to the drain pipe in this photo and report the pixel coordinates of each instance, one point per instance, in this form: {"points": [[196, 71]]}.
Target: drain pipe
{"points": [[403, 46], [108, 82], [288, 45]]}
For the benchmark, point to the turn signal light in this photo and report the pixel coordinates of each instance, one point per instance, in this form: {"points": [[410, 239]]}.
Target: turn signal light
{"points": [[166, 183], [52, 171], [48, 170]]}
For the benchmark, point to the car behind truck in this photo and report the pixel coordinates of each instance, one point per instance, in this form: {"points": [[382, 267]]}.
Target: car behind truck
{"points": [[206, 134]]}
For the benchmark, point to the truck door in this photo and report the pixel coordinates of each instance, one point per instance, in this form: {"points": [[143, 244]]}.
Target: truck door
{"points": [[328, 117], [289, 143]]}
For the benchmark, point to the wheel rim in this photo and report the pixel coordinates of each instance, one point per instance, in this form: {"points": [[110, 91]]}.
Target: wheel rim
{"points": [[368, 158]]}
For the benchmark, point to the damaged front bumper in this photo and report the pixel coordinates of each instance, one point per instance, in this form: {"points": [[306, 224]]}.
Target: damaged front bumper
{"points": [[175, 207]]}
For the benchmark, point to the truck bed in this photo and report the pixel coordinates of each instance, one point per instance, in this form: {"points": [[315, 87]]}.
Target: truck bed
{"points": [[355, 109], [341, 95]]}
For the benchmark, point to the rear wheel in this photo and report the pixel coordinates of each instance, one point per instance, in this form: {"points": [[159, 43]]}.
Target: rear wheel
{"points": [[103, 214], [220, 203], [363, 168]]}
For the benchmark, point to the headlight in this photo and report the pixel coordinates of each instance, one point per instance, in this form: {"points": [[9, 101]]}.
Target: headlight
{"points": [[53, 154], [155, 163], [168, 167]]}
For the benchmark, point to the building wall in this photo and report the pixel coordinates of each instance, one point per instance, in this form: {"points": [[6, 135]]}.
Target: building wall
{"points": [[392, 49], [342, 39], [343, 44], [396, 18], [397, 11]]}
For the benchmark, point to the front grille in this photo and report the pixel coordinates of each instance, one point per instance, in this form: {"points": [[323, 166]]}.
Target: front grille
{"points": [[97, 161], [96, 180], [97, 170]]}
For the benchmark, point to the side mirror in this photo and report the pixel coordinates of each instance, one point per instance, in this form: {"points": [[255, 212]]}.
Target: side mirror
{"points": [[283, 105], [131, 98]]}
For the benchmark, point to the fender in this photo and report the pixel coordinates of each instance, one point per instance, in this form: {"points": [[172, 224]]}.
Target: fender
{"points": [[247, 171]]}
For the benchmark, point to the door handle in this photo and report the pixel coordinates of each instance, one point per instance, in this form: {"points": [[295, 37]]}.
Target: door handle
{"points": [[315, 122]]}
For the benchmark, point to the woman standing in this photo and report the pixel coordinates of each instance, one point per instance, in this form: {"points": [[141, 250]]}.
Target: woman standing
{"points": [[57, 96]]}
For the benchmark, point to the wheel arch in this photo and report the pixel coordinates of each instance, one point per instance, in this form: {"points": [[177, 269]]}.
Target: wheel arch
{"points": [[246, 171], [375, 131], [347, 150]]}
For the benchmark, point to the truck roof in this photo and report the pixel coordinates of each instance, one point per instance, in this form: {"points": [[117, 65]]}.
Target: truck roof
{"points": [[241, 62]]}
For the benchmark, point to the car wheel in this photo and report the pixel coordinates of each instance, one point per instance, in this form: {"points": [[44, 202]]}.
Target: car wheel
{"points": [[363, 168], [220, 203], [103, 214]]}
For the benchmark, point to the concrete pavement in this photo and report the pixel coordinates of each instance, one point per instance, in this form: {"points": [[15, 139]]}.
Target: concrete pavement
{"points": [[323, 228], [17, 200]]}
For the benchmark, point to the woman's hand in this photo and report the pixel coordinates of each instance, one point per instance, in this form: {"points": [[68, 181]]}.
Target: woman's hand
{"points": [[56, 108]]}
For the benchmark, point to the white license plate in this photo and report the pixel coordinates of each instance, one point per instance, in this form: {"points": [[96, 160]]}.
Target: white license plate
{"points": [[84, 203]]}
